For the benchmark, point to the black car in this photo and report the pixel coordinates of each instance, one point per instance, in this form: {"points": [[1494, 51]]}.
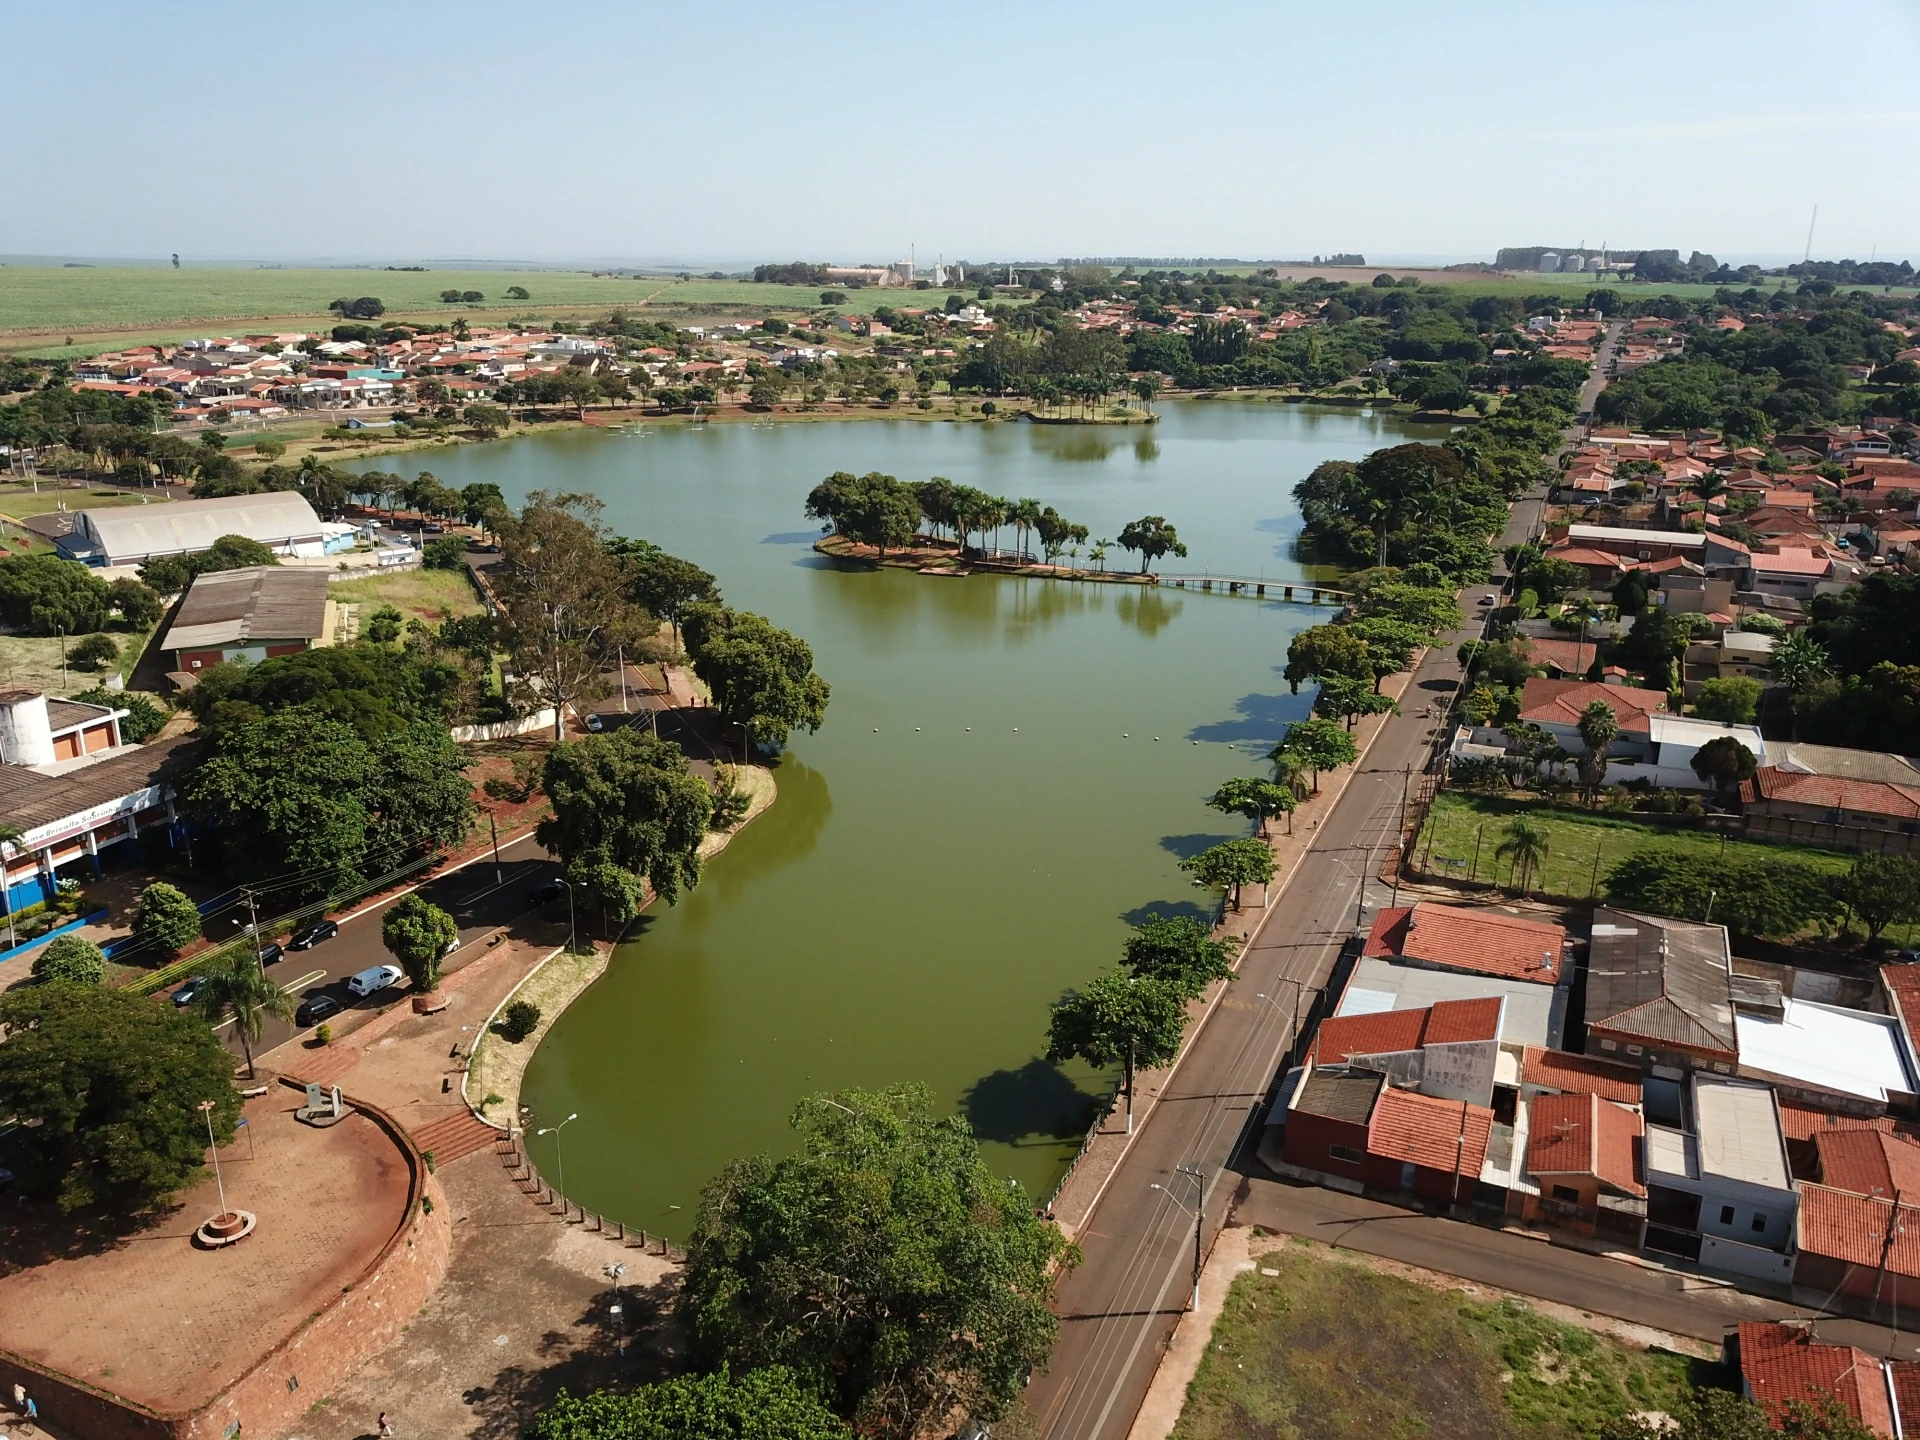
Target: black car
{"points": [[307, 936], [271, 952], [544, 893], [312, 1011]]}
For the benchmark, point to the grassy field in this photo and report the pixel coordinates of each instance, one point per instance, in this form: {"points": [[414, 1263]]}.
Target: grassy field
{"points": [[1574, 839], [1328, 1349], [21, 501], [431, 595]]}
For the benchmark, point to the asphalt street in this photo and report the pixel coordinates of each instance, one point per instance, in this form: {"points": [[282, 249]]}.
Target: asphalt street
{"points": [[479, 898]]}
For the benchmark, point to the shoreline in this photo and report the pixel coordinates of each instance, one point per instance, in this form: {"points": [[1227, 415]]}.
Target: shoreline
{"points": [[496, 1066]]}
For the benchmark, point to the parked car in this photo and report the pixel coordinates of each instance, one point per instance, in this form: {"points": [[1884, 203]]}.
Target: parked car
{"points": [[315, 1009], [1489, 598], [271, 952], [308, 936], [545, 892], [374, 977], [183, 997]]}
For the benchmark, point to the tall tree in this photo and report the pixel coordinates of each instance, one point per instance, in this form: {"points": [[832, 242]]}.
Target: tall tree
{"points": [[1151, 537], [771, 1403], [629, 801], [884, 1263], [871, 509], [1179, 951], [1119, 1019], [564, 598], [1319, 745], [239, 988], [1599, 726], [1258, 800], [1524, 847], [418, 934], [1230, 865], [761, 676], [1724, 763], [663, 584], [165, 921], [107, 1088], [1320, 651], [13, 841], [1882, 890]]}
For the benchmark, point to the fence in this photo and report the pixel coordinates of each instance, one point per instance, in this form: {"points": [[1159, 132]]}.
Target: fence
{"points": [[532, 1184], [505, 729]]}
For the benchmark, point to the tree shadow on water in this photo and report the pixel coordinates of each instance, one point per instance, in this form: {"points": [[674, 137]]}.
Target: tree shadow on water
{"points": [[1261, 719], [1168, 910], [1185, 847], [1035, 1104], [792, 537]]}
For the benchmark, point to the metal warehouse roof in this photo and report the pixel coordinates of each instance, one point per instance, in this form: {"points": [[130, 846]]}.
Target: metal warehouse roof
{"points": [[250, 605], [130, 533]]}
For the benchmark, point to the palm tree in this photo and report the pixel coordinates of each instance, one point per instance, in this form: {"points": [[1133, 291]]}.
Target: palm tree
{"points": [[241, 988], [12, 837], [1799, 662], [1598, 727], [1023, 515], [1098, 554], [1525, 849]]}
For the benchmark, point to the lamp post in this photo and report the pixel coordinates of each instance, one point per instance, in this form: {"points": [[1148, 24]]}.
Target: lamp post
{"points": [[206, 1109], [1199, 1212], [559, 1155], [573, 934]]}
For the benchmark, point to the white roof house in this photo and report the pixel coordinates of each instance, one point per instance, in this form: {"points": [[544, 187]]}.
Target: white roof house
{"points": [[1826, 1050], [281, 520]]}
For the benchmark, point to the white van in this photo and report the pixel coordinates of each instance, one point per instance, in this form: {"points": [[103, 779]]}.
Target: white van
{"points": [[376, 977]]}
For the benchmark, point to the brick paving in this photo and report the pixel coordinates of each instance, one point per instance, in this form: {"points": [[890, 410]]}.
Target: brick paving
{"points": [[327, 1200]]}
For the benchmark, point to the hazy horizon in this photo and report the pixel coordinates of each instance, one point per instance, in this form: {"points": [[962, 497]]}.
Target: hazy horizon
{"points": [[623, 135]]}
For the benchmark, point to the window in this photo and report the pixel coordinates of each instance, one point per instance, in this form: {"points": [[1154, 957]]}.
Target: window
{"points": [[1635, 1050], [1346, 1153], [1609, 1044], [1567, 1193], [1722, 1067], [1726, 1214], [1759, 1223]]}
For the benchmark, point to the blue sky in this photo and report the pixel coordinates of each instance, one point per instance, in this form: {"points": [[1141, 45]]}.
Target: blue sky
{"points": [[764, 131]]}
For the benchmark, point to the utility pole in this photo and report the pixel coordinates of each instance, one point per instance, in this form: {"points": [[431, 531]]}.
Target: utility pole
{"points": [[1199, 1179], [253, 928], [494, 831]]}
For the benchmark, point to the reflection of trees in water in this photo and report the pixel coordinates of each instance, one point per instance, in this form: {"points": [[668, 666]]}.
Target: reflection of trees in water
{"points": [[1039, 605], [1147, 609], [1146, 448], [1261, 719], [1084, 445], [1034, 1104], [785, 832]]}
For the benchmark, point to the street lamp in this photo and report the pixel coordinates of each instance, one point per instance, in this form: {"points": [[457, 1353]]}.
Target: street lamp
{"points": [[1199, 1213], [559, 1154], [206, 1109], [573, 934]]}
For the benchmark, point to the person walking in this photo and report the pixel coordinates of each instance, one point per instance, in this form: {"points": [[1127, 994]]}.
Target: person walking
{"points": [[33, 1411], [386, 1427]]}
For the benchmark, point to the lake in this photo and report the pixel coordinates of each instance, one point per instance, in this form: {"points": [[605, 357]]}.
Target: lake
{"points": [[1009, 773]]}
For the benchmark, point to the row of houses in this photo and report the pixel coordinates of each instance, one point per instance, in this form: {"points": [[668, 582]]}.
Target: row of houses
{"points": [[1753, 1120]]}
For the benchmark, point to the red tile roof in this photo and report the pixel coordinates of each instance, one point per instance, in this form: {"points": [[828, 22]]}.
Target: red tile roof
{"points": [[1902, 984], [1869, 1162], [1485, 942], [1384, 1033], [1854, 1228], [1579, 1074], [1457, 1021], [1804, 1122], [1575, 656], [1446, 1135], [1559, 702], [1832, 792], [1584, 1135], [1784, 1363]]}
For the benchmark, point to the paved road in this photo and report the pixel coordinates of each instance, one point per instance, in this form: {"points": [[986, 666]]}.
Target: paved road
{"points": [[478, 901], [1119, 1307], [1677, 1304]]}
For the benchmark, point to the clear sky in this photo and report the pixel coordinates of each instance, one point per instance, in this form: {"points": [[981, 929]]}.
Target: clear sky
{"points": [[758, 131]]}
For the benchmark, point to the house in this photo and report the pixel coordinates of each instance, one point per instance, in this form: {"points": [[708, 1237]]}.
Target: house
{"points": [[1841, 810], [1581, 1150], [73, 794], [1783, 1365], [1530, 1013], [1560, 1072], [1634, 544], [1861, 1252], [252, 614], [1557, 705], [131, 534], [1660, 994], [1827, 1056], [1449, 1050], [1792, 571], [1478, 942], [1719, 1187]]}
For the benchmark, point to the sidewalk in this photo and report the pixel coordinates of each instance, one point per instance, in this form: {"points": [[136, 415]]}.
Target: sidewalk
{"points": [[1108, 1143]]}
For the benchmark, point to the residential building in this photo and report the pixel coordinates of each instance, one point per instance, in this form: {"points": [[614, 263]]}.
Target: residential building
{"points": [[252, 614], [1581, 1155], [1783, 1365], [1478, 942], [1838, 810], [1719, 1187], [1858, 1252], [1660, 994]]}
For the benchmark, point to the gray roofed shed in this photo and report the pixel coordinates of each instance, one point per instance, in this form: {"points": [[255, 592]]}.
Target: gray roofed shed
{"points": [[129, 534], [250, 606], [1336, 1094], [1664, 982]]}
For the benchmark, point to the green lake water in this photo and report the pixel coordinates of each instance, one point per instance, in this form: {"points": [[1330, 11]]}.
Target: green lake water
{"points": [[1007, 778]]}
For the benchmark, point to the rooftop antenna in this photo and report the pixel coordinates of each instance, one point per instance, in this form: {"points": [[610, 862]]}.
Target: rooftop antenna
{"points": [[1810, 224]]}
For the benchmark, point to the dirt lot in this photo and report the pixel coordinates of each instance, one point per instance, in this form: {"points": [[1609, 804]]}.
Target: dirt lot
{"points": [[1311, 1344], [430, 595]]}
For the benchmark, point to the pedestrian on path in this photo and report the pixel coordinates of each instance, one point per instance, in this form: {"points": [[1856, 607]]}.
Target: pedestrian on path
{"points": [[385, 1428], [33, 1411], [20, 1398]]}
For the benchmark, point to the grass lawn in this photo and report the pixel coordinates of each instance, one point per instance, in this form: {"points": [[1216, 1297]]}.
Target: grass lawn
{"points": [[1574, 838], [1329, 1349], [431, 595], [22, 501]]}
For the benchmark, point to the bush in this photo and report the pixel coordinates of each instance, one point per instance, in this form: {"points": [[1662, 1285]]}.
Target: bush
{"points": [[166, 919], [449, 552], [93, 652], [1731, 699], [138, 605], [70, 960], [519, 1020], [384, 627], [145, 717], [323, 1033], [1771, 899]]}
